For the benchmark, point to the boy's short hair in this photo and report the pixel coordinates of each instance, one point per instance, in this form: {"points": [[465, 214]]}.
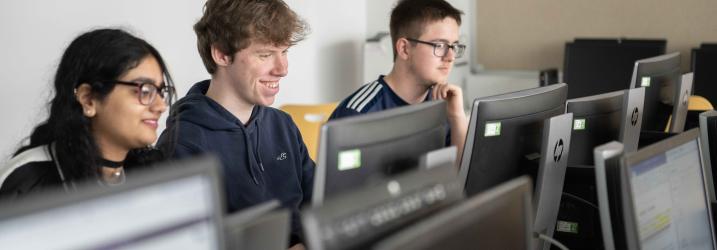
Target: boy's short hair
{"points": [[232, 25], [409, 17]]}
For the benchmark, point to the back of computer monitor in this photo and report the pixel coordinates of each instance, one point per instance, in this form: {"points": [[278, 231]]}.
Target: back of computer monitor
{"points": [[665, 203], [597, 66], [659, 75], [551, 173], [601, 154], [680, 103], [596, 120], [262, 226], [708, 135], [358, 150], [360, 217], [175, 205], [704, 62], [633, 109], [504, 135], [499, 218]]}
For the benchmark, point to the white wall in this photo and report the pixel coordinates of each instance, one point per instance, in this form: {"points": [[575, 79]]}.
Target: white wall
{"points": [[322, 68], [327, 66]]}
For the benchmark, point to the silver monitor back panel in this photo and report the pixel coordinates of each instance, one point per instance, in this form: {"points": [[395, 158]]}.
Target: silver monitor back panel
{"points": [[499, 218], [706, 151], [359, 217], [632, 118], [551, 174], [262, 226], [601, 154], [680, 103]]}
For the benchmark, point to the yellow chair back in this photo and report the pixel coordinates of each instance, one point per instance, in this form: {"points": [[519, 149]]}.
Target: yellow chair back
{"points": [[309, 119]]}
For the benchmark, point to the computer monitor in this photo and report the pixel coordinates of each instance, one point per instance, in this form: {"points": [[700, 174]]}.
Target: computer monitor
{"points": [[602, 118], [359, 218], [708, 135], [665, 201], [607, 187], [598, 66], [263, 226], [661, 77], [505, 133], [704, 61], [520, 133], [597, 120], [500, 218], [176, 206], [358, 150]]}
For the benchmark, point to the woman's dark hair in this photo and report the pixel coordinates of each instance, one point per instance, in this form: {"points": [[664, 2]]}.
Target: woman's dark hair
{"points": [[93, 58]]}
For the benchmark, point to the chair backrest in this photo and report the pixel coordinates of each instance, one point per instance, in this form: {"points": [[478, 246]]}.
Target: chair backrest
{"points": [[309, 118], [699, 103]]}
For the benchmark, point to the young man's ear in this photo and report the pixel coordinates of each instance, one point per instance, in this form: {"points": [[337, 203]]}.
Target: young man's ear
{"points": [[83, 94], [402, 47], [219, 57]]}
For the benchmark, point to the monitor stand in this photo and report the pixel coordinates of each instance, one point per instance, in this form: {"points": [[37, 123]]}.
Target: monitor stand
{"points": [[632, 108], [551, 173]]}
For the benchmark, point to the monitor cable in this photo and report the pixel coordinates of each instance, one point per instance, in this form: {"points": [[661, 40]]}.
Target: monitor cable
{"points": [[551, 241], [575, 197]]}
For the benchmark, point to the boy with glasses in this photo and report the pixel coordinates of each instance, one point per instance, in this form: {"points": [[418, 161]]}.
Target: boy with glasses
{"points": [[425, 44], [244, 44]]}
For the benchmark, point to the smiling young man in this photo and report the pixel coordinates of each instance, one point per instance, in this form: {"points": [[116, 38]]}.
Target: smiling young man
{"points": [[425, 43], [243, 44]]}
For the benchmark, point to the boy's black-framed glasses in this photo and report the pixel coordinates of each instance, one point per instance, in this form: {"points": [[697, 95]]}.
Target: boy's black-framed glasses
{"points": [[440, 49]]}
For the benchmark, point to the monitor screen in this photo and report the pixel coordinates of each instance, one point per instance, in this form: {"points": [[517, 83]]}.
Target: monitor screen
{"points": [[598, 66], [359, 150], [660, 76], [178, 209], [499, 218], [667, 206], [505, 133]]}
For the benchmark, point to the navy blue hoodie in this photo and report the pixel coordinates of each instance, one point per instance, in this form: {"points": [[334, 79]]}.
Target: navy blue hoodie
{"points": [[262, 160]]}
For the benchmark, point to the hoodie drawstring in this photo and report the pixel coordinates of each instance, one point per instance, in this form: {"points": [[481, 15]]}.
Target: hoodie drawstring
{"points": [[248, 147], [258, 146]]}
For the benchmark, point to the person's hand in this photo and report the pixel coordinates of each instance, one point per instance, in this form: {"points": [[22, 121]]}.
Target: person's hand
{"points": [[453, 95], [454, 109]]}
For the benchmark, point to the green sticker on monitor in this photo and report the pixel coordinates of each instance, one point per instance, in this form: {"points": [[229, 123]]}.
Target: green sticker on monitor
{"points": [[567, 227], [579, 124], [349, 159], [492, 129], [645, 82]]}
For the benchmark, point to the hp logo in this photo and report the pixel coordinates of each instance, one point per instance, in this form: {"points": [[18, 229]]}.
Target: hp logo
{"points": [[635, 116], [558, 150]]}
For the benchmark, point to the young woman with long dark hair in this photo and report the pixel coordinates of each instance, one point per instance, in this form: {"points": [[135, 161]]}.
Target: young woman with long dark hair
{"points": [[110, 89]]}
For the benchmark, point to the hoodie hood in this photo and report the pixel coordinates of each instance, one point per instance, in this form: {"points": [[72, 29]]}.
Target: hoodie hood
{"points": [[201, 110]]}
